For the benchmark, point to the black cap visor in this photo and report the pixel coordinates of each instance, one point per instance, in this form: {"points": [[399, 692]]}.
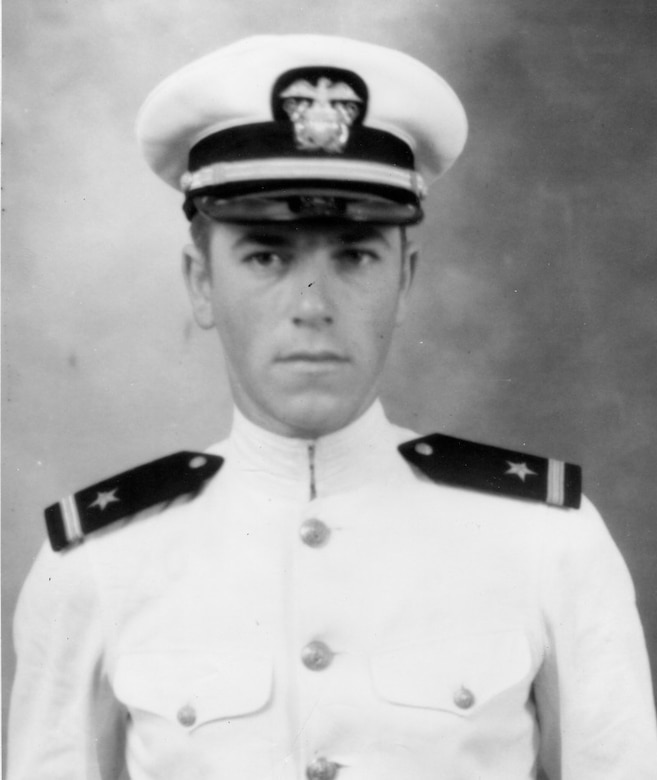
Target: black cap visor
{"points": [[288, 205]]}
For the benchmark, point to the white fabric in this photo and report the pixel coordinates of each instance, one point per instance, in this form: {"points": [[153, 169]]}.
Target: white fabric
{"points": [[192, 622]]}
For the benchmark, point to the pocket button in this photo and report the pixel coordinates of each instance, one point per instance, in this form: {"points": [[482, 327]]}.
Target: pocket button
{"points": [[187, 716], [464, 698]]}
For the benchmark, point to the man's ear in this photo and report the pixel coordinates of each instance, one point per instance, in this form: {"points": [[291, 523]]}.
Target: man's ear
{"points": [[410, 256], [198, 278]]}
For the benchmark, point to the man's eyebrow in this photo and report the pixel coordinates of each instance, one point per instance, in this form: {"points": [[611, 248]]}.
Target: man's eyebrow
{"points": [[363, 233], [256, 236], [350, 235]]}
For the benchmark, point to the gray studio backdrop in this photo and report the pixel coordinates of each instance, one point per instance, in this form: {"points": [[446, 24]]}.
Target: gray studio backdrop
{"points": [[535, 319]]}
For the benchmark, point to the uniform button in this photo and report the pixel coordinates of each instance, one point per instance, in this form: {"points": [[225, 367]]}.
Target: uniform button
{"points": [[464, 698], [187, 715], [316, 656], [321, 769], [422, 448], [314, 532]]}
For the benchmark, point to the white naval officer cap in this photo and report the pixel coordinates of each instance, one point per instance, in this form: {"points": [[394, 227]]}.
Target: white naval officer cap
{"points": [[303, 126]]}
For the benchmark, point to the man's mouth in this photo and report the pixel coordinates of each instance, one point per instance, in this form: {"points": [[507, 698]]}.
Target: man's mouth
{"points": [[319, 357]]}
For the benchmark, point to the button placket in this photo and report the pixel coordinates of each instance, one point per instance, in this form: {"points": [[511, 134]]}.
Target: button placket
{"points": [[316, 655]]}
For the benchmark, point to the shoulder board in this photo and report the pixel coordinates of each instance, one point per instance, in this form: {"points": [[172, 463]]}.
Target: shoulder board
{"points": [[494, 470], [95, 507]]}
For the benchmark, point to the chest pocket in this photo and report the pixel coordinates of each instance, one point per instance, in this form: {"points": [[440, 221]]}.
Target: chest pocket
{"points": [[458, 675], [192, 689]]}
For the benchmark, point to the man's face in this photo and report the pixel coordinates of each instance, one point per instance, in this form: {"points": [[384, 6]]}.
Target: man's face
{"points": [[306, 313]]}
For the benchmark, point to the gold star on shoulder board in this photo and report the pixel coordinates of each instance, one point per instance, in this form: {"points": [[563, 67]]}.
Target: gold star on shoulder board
{"points": [[521, 470], [104, 498]]}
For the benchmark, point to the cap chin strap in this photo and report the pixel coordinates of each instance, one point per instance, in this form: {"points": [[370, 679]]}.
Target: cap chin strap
{"points": [[289, 169]]}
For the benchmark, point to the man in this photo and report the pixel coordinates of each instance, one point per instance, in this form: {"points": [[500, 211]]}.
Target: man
{"points": [[323, 595]]}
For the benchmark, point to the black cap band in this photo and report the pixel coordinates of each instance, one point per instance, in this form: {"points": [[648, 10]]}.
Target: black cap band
{"points": [[267, 141], [276, 139]]}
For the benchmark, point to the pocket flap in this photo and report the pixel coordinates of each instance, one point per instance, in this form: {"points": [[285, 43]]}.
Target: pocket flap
{"points": [[455, 674], [193, 688]]}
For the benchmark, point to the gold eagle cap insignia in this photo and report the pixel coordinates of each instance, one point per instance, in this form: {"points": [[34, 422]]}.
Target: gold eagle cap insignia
{"points": [[322, 114]]}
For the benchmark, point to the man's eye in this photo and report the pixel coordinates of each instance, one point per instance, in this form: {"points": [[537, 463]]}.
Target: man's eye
{"points": [[265, 259], [358, 257]]}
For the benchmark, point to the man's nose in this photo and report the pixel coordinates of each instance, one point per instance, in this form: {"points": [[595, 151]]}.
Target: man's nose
{"points": [[313, 296]]}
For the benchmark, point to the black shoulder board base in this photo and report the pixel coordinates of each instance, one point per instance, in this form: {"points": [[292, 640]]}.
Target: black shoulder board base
{"points": [[95, 507], [494, 470]]}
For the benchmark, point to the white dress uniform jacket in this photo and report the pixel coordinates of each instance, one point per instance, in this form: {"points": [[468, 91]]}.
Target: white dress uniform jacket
{"points": [[323, 610]]}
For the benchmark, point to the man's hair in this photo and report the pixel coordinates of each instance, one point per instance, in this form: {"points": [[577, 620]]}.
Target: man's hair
{"points": [[199, 230]]}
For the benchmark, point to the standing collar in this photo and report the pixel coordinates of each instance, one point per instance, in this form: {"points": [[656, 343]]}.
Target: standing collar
{"points": [[363, 451]]}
